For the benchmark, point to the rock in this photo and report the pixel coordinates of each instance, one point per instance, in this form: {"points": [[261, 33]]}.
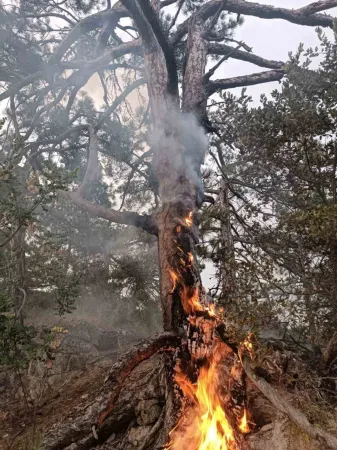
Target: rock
{"points": [[137, 435], [147, 412]]}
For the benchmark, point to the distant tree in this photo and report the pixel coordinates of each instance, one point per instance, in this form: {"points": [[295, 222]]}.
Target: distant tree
{"points": [[278, 164]]}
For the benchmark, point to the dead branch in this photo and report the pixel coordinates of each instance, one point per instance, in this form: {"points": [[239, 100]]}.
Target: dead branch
{"points": [[94, 65], [230, 54], [329, 441], [215, 18], [245, 80], [180, 5], [134, 85], [226, 50], [131, 174], [145, 222]]}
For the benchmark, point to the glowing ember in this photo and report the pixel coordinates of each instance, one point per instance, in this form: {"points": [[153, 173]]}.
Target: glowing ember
{"points": [[189, 219]]}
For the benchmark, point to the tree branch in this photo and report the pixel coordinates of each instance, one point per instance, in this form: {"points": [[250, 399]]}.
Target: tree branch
{"points": [[254, 9], [327, 440], [120, 98], [127, 218], [316, 7], [145, 222], [93, 66], [245, 80], [88, 24], [223, 49], [171, 66], [143, 26]]}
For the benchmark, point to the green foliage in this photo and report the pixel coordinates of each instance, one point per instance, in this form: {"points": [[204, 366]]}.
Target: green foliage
{"points": [[280, 158]]}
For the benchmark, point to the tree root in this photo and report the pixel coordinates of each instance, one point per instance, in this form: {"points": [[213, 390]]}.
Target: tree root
{"points": [[297, 417], [93, 425]]}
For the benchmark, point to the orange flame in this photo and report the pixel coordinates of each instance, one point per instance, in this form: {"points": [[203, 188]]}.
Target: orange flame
{"points": [[175, 278], [190, 300], [243, 425], [206, 426]]}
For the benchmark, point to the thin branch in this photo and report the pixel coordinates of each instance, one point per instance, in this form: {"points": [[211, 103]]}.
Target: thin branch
{"points": [[94, 65], [131, 174], [223, 49], [215, 18], [230, 54], [88, 24], [145, 30], [49, 14], [120, 99], [167, 3], [245, 80], [180, 5]]}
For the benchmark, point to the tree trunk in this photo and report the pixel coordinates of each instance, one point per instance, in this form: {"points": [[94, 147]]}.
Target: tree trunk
{"points": [[18, 271]]}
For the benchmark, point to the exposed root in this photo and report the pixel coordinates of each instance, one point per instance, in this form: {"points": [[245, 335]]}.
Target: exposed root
{"points": [[93, 425], [297, 417]]}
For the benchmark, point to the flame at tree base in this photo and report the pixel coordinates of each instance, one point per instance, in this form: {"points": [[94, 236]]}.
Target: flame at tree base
{"points": [[204, 424]]}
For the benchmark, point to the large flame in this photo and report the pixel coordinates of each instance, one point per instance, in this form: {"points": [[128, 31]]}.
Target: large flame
{"points": [[205, 424]]}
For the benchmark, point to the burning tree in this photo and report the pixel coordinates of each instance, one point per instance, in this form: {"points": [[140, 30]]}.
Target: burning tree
{"points": [[173, 60]]}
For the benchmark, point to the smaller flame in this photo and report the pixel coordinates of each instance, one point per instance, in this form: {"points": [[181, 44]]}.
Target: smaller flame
{"points": [[244, 426], [189, 219], [247, 345], [175, 278]]}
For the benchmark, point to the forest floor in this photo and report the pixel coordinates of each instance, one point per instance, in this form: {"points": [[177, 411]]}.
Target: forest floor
{"points": [[22, 425]]}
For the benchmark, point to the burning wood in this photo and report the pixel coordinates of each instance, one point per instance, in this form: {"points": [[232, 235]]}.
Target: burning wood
{"points": [[214, 415]]}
